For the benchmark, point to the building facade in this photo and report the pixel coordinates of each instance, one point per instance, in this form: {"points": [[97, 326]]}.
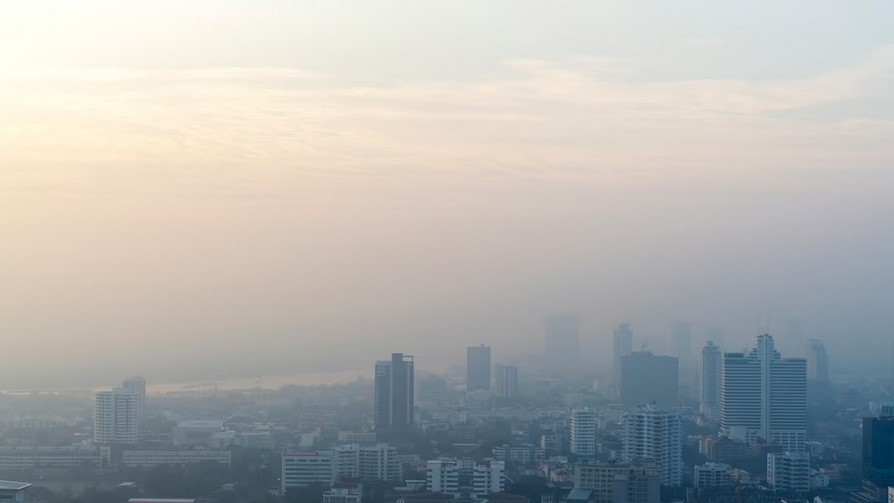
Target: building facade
{"points": [[394, 393], [583, 432], [710, 375], [656, 435], [116, 417], [789, 471], [764, 396], [478, 368], [649, 379]]}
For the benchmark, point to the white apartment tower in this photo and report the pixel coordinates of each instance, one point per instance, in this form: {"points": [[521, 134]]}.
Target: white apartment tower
{"points": [[710, 373], [116, 419], [138, 384], [789, 471], [655, 435], [583, 432], [442, 476], [764, 396], [488, 477]]}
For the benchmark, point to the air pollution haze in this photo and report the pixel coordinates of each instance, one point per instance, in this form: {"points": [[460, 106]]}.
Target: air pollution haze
{"points": [[194, 191]]}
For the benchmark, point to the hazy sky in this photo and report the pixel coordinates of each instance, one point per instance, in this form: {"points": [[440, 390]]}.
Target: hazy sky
{"points": [[194, 190]]}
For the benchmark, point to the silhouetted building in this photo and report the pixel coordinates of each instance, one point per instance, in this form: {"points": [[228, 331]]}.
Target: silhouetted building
{"points": [[507, 381], [817, 361], [681, 343], [764, 396], [478, 368], [562, 339], [431, 392], [878, 450], [394, 394], [623, 346], [710, 372], [649, 379]]}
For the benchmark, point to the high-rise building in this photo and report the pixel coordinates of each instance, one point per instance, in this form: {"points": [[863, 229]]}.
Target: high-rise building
{"points": [[562, 339], [710, 372], [764, 396], [878, 450], [789, 471], [649, 379], [138, 384], [507, 381], [394, 400], [656, 435], [583, 432], [817, 361], [634, 482], [116, 418], [681, 342], [431, 392], [623, 346], [478, 368]]}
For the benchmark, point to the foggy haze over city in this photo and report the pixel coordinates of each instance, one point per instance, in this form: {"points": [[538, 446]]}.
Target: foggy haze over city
{"points": [[338, 179], [446, 251]]}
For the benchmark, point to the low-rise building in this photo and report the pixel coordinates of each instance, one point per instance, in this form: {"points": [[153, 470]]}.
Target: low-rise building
{"points": [[156, 457]]}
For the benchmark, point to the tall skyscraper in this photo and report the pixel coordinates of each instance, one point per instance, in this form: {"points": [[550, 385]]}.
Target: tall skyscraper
{"points": [[138, 384], [507, 381], [656, 435], [764, 396], [878, 450], [817, 361], [116, 417], [649, 379], [681, 343], [710, 372], [562, 339], [478, 368], [394, 393], [623, 346], [583, 432]]}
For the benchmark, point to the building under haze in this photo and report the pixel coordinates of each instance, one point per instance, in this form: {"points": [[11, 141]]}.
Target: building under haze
{"points": [[431, 392], [478, 368], [656, 435], [649, 379], [709, 377], [562, 339], [817, 361], [878, 450], [764, 396], [507, 381], [681, 343], [614, 482], [623, 346], [138, 384], [394, 394], [583, 432], [116, 417]]}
